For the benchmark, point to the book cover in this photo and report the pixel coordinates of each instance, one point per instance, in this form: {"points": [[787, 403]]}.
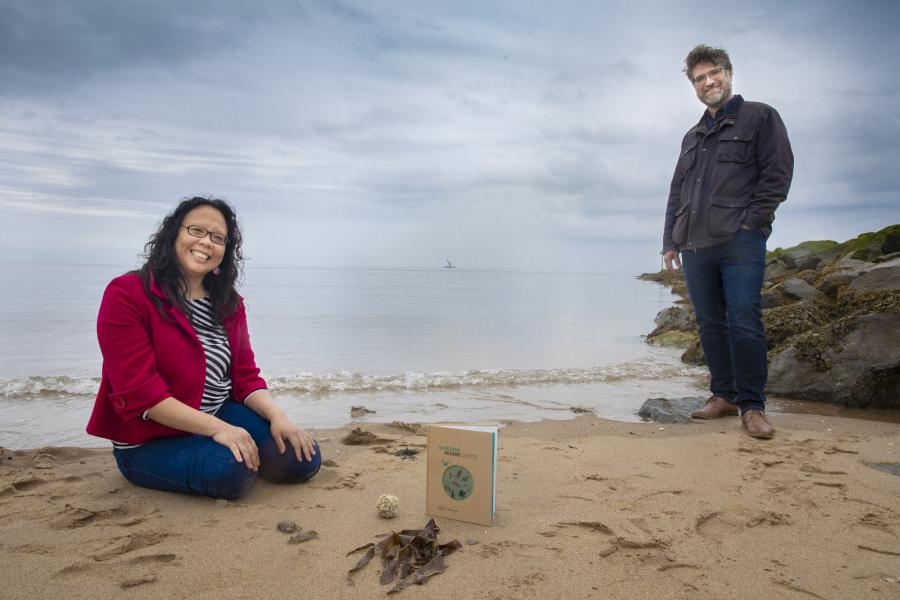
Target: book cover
{"points": [[461, 480]]}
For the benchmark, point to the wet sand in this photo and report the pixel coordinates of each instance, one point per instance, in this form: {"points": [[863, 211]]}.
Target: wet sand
{"points": [[587, 508]]}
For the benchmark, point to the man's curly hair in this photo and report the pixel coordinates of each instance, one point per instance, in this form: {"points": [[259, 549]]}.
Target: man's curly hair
{"points": [[708, 54]]}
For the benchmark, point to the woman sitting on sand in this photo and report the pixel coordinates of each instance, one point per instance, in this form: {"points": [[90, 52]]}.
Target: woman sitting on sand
{"points": [[181, 397]]}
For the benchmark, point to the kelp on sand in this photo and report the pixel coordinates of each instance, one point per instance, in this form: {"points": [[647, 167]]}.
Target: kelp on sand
{"points": [[409, 557]]}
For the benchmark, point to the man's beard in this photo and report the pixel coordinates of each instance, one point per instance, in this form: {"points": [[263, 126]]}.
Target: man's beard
{"points": [[718, 97]]}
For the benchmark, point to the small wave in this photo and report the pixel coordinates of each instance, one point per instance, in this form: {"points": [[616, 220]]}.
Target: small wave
{"points": [[54, 384], [345, 381], [361, 382]]}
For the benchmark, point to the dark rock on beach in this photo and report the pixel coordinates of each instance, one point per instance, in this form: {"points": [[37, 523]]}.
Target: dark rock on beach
{"points": [[360, 411], [670, 410], [832, 318], [303, 536], [676, 327], [287, 527], [892, 468], [359, 437], [858, 364]]}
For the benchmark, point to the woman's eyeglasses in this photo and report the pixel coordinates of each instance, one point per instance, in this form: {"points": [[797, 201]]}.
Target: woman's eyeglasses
{"points": [[201, 232]]}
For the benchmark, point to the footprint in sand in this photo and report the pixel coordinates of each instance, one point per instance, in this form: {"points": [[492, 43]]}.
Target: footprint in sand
{"points": [[77, 568], [94, 564], [769, 518], [23, 485], [32, 549], [882, 521], [136, 581], [73, 517], [153, 559], [129, 543], [719, 525], [520, 550]]}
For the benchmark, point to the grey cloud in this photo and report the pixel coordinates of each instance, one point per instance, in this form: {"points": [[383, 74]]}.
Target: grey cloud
{"points": [[49, 45], [477, 124]]}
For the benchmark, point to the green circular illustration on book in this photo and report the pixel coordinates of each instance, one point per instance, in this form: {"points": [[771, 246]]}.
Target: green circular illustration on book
{"points": [[458, 482]]}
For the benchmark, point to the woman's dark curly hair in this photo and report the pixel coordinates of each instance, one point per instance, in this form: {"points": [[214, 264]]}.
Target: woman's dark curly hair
{"points": [[162, 262]]}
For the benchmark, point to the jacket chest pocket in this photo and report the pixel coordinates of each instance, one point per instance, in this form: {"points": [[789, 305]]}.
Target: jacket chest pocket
{"points": [[735, 145], [689, 156]]}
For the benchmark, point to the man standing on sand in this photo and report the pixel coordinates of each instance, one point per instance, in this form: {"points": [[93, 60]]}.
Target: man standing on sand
{"points": [[734, 169]]}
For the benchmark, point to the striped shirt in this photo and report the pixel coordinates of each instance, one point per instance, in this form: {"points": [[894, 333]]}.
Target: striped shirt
{"points": [[211, 334]]}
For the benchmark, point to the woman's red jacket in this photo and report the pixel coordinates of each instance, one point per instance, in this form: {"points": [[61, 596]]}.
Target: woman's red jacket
{"points": [[148, 358]]}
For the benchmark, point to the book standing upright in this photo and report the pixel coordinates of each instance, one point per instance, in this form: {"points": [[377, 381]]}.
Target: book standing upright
{"points": [[461, 481]]}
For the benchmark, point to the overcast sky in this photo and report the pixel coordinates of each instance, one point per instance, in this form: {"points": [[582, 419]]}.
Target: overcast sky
{"points": [[530, 135]]}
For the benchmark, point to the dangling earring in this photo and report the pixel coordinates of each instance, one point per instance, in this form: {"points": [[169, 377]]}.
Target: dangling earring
{"points": [[216, 271]]}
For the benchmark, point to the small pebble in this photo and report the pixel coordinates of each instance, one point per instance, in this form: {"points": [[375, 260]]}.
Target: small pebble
{"points": [[303, 536], [287, 527], [472, 541]]}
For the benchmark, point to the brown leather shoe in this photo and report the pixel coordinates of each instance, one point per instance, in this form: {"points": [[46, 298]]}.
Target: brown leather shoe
{"points": [[715, 408], [756, 425]]}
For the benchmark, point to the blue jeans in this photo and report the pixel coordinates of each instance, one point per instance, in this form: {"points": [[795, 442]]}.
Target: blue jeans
{"points": [[195, 464], [724, 282]]}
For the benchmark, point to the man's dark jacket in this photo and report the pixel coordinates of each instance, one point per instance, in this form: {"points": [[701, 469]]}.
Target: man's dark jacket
{"points": [[735, 174]]}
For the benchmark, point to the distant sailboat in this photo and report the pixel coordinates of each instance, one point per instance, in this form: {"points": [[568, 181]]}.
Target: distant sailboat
{"points": [[449, 265]]}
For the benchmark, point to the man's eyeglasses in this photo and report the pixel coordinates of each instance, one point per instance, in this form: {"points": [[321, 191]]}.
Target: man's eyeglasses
{"points": [[201, 232], [712, 74]]}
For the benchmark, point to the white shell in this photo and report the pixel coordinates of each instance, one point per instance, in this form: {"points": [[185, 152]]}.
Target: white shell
{"points": [[387, 506]]}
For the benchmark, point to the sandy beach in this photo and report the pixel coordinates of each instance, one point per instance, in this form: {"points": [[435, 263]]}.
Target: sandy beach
{"points": [[587, 508]]}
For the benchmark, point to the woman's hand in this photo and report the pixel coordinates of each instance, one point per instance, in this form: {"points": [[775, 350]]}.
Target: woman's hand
{"points": [[172, 413], [283, 429], [241, 445]]}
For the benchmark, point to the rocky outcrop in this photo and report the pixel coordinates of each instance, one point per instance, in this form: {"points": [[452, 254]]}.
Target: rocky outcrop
{"points": [[856, 364], [841, 273], [676, 327], [884, 277], [795, 288], [832, 318]]}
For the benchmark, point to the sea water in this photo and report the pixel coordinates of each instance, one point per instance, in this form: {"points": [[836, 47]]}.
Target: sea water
{"points": [[423, 345]]}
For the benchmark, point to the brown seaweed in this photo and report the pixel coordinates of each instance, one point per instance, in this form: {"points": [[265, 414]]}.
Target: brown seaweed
{"points": [[411, 556]]}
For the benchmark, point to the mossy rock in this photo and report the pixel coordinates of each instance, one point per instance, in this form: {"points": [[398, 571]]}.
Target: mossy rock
{"points": [[681, 289], [869, 246], [853, 360], [673, 338], [694, 354], [850, 301], [813, 246], [663, 277], [866, 246], [811, 345], [785, 322], [813, 327]]}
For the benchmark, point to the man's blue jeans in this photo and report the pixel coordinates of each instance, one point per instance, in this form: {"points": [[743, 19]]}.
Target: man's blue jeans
{"points": [[725, 283], [195, 464]]}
